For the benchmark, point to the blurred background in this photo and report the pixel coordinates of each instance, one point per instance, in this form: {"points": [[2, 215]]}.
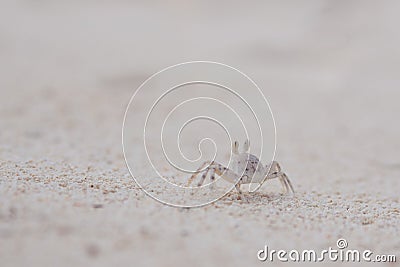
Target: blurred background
{"points": [[341, 59], [330, 70]]}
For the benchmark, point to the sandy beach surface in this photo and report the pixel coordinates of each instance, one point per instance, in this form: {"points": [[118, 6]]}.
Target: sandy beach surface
{"points": [[329, 69]]}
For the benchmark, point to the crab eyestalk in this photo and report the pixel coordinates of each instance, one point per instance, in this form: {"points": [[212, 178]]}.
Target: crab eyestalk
{"points": [[246, 146], [235, 147]]}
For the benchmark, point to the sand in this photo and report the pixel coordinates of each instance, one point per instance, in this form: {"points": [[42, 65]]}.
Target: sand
{"points": [[329, 70]]}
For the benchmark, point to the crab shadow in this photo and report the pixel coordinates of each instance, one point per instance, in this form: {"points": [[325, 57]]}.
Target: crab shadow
{"points": [[257, 197]]}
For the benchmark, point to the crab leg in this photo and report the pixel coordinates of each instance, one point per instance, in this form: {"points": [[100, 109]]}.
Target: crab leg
{"points": [[197, 172], [203, 177], [286, 184], [218, 169]]}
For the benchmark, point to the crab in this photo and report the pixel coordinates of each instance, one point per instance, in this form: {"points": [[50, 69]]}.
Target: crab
{"points": [[246, 169]]}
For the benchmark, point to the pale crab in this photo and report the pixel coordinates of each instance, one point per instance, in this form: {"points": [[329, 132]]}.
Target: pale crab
{"points": [[246, 169]]}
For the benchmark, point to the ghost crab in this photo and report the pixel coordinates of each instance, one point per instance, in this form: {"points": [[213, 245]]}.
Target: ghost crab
{"points": [[246, 169]]}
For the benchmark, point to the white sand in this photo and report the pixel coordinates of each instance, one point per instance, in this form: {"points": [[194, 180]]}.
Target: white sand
{"points": [[330, 71]]}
